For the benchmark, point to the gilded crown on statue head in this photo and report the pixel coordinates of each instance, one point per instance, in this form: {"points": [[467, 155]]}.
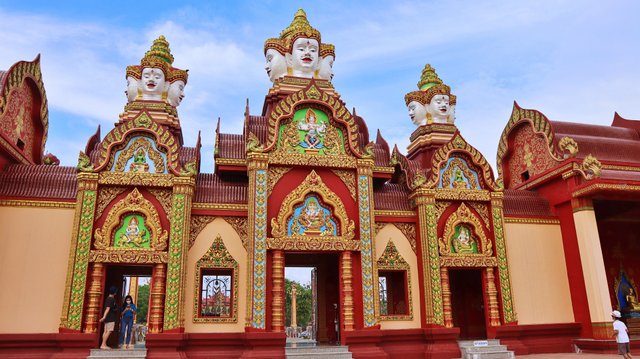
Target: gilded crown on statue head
{"points": [[155, 79], [299, 52], [433, 102]]}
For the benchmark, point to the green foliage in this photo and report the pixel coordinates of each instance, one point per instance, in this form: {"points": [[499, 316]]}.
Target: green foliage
{"points": [[304, 302], [143, 304]]}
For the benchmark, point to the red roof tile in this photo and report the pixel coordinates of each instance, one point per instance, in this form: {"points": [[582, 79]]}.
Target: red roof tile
{"points": [[38, 181], [258, 126], [521, 203], [231, 145], [392, 197], [211, 188]]}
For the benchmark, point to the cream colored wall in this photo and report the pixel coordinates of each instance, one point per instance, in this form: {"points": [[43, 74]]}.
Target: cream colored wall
{"points": [[539, 281], [391, 232], [34, 254], [234, 245]]}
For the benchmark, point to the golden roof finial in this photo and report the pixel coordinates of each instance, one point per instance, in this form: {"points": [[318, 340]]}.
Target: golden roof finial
{"points": [[159, 55], [299, 27], [429, 78]]}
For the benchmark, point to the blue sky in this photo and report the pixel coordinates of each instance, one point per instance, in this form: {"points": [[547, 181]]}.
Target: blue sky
{"points": [[574, 61]]}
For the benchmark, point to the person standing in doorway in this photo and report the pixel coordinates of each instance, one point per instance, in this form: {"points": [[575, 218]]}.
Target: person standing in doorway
{"points": [[126, 323], [109, 316], [621, 333]]}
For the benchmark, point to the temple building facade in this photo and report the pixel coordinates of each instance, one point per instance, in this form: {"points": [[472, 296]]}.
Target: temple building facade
{"points": [[412, 252]]}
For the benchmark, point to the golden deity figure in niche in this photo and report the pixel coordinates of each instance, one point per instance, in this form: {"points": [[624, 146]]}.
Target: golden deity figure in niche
{"points": [[314, 136], [133, 234], [463, 242], [312, 218], [139, 163], [632, 301], [458, 179]]}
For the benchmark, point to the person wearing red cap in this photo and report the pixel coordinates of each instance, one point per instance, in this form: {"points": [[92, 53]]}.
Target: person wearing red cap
{"points": [[621, 333]]}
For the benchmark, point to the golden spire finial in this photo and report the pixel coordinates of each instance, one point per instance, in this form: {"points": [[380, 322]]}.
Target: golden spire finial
{"points": [[429, 78], [299, 27], [159, 55]]}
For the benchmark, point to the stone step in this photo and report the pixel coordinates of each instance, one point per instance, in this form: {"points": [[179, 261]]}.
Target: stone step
{"points": [[470, 343], [490, 348], [117, 354], [322, 352], [490, 355]]}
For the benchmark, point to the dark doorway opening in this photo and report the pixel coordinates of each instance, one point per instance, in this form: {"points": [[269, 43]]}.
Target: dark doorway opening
{"points": [[129, 280], [467, 303], [325, 319]]}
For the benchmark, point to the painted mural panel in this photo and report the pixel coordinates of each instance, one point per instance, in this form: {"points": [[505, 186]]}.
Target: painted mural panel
{"points": [[311, 218], [140, 155], [310, 131], [133, 233], [458, 174]]}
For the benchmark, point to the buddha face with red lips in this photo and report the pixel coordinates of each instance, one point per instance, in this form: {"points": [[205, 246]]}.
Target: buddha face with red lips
{"points": [[303, 59], [439, 108], [153, 83]]}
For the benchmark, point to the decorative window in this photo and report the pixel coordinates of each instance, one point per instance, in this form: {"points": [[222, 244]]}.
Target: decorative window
{"points": [[393, 285], [216, 296]]}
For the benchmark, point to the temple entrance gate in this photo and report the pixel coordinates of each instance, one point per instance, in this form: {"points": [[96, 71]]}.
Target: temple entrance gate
{"points": [[324, 324], [467, 303], [126, 280]]}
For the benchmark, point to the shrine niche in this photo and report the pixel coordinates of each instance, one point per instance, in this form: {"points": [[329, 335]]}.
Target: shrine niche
{"points": [[627, 296], [140, 154], [312, 216], [310, 131], [457, 174], [464, 235], [131, 224]]}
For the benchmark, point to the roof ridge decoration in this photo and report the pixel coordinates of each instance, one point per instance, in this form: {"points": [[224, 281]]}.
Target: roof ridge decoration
{"points": [[459, 144], [13, 78], [567, 146], [285, 109], [142, 124]]}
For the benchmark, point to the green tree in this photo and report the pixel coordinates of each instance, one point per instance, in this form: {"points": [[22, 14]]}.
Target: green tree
{"points": [[304, 301], [143, 304]]}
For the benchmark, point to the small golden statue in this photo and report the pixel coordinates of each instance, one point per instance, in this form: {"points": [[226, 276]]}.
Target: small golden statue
{"points": [[632, 301]]}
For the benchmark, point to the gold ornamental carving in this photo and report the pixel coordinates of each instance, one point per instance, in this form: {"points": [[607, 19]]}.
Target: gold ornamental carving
{"points": [[144, 143], [305, 243], [349, 180], [275, 174], [312, 184], [463, 215], [163, 196], [105, 196], [468, 261], [134, 202], [136, 179], [458, 163], [197, 225], [127, 256]]}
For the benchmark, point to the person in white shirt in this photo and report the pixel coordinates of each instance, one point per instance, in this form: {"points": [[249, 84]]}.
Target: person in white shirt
{"points": [[621, 333]]}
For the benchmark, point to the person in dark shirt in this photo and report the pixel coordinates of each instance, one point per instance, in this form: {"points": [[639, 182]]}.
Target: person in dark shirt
{"points": [[126, 323], [109, 316]]}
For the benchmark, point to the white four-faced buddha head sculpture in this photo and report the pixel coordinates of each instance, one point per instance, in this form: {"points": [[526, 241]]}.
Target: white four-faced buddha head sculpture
{"points": [[155, 79], [435, 98], [304, 53]]}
